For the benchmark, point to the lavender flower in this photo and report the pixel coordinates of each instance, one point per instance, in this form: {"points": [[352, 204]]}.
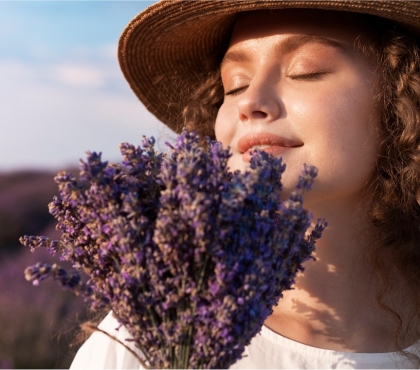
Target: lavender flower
{"points": [[190, 257]]}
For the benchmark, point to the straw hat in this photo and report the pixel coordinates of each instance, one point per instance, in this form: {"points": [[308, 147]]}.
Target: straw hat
{"points": [[164, 48]]}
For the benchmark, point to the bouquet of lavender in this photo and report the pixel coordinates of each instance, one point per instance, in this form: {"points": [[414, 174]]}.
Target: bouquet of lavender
{"points": [[190, 257]]}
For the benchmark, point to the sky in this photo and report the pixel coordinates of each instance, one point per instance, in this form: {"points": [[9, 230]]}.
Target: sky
{"points": [[61, 90]]}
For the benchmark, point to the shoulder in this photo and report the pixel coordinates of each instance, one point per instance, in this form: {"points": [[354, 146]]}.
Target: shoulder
{"points": [[271, 350], [102, 352]]}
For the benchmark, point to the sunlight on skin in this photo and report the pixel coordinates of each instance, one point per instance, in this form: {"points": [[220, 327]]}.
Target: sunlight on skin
{"points": [[286, 76], [331, 268]]}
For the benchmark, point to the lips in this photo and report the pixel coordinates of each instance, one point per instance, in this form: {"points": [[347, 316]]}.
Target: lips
{"points": [[270, 143]]}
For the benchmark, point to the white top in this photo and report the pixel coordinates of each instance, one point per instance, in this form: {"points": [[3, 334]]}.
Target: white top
{"points": [[267, 350]]}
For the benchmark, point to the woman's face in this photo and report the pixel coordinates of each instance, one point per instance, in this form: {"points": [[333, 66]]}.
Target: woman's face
{"points": [[296, 85]]}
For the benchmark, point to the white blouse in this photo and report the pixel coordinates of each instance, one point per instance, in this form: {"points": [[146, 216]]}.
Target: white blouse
{"points": [[267, 350]]}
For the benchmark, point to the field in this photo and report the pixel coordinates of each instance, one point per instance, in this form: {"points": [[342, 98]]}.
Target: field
{"points": [[38, 323]]}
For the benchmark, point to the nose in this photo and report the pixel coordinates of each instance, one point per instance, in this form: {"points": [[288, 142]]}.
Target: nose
{"points": [[259, 103]]}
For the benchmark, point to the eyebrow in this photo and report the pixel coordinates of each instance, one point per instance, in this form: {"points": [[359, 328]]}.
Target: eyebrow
{"points": [[289, 45]]}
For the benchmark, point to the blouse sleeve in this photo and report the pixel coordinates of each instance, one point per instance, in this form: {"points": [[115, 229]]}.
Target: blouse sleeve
{"points": [[103, 352]]}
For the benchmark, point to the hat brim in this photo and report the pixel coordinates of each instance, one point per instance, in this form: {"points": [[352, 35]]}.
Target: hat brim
{"points": [[164, 48]]}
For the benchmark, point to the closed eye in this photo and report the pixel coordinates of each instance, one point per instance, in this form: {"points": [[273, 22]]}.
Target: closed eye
{"points": [[307, 76], [236, 91]]}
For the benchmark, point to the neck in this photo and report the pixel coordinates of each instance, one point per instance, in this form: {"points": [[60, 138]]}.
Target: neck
{"points": [[333, 304]]}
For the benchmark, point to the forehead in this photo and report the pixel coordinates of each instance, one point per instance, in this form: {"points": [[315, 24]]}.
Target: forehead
{"points": [[343, 26]]}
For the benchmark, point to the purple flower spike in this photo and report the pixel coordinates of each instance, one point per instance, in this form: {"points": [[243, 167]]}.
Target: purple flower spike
{"points": [[189, 256], [53, 246]]}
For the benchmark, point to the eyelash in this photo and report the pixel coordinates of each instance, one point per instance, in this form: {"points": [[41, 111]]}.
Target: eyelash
{"points": [[236, 91], [306, 76]]}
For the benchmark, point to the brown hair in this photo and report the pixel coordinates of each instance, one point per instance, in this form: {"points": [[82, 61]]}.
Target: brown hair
{"points": [[205, 100], [395, 209]]}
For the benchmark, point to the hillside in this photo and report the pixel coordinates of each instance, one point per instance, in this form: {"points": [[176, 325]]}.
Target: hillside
{"points": [[38, 323]]}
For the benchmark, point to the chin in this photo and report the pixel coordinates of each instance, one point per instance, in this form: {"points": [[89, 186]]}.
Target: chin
{"points": [[237, 164]]}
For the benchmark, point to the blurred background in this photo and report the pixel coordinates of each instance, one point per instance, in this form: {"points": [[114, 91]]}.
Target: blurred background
{"points": [[61, 94]]}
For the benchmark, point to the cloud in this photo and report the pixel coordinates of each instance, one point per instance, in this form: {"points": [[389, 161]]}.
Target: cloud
{"points": [[14, 70], [79, 75], [52, 112]]}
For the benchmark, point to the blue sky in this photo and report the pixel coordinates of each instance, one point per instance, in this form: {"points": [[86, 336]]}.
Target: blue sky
{"points": [[61, 90]]}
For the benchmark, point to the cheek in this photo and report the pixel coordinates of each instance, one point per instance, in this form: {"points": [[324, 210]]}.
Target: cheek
{"points": [[339, 117], [225, 125], [340, 131], [226, 132]]}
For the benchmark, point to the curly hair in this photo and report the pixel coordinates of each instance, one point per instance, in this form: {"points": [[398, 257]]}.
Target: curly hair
{"points": [[205, 100], [395, 205]]}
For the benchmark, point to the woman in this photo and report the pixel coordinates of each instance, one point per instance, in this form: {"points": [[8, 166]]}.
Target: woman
{"points": [[331, 84]]}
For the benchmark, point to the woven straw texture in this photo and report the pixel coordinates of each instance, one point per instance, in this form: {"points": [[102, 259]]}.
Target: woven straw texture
{"points": [[164, 48]]}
